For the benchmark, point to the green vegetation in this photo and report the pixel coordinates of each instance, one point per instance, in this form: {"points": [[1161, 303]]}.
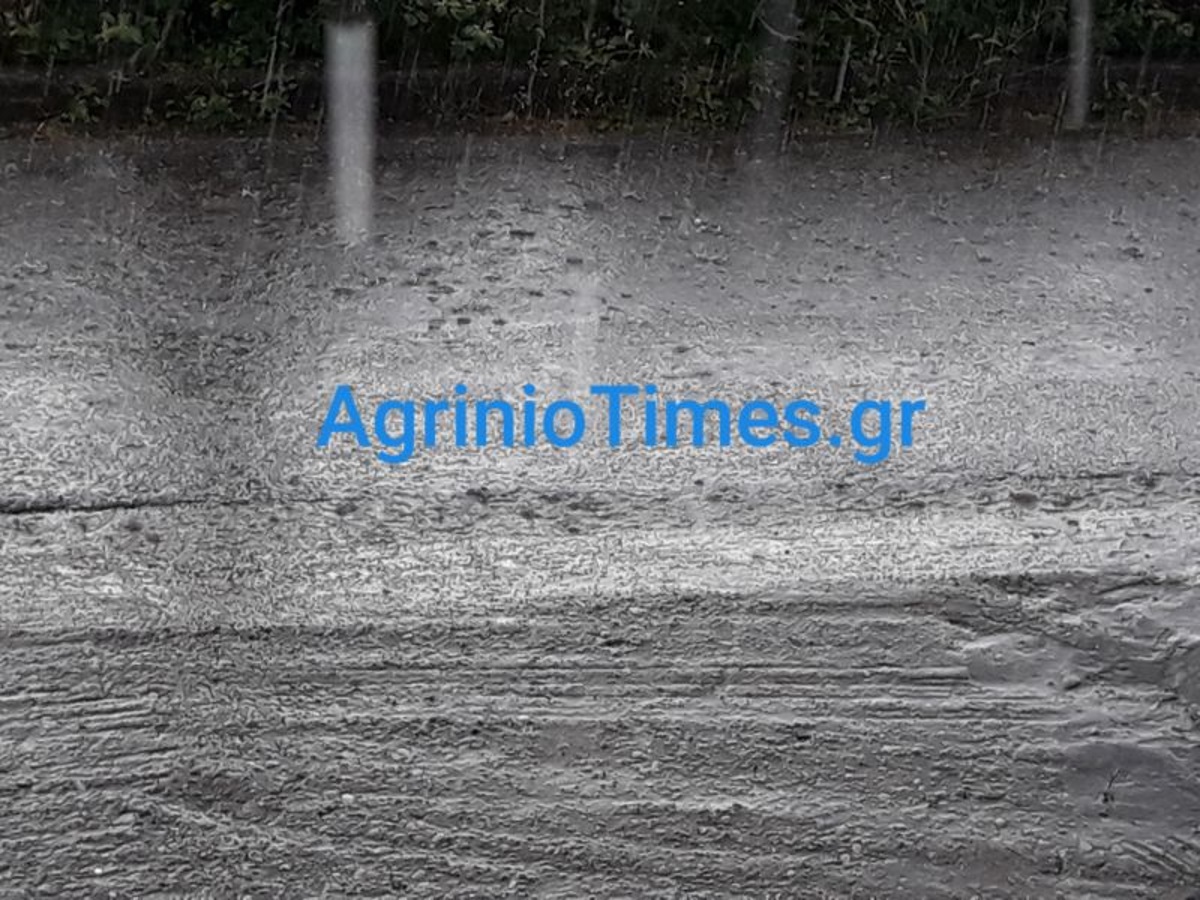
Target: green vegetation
{"points": [[708, 60]]}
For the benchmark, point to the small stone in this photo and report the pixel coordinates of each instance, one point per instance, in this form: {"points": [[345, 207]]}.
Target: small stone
{"points": [[1025, 499]]}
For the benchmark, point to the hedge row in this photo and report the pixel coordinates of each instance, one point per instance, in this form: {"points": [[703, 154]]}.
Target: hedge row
{"points": [[852, 58]]}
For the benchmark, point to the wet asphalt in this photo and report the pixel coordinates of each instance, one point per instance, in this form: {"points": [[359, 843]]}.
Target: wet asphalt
{"points": [[236, 664]]}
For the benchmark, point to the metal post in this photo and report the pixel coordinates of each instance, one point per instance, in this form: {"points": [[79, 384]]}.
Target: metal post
{"points": [[778, 57], [1079, 88]]}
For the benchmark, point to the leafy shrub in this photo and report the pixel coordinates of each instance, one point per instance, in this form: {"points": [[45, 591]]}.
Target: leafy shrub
{"points": [[922, 59]]}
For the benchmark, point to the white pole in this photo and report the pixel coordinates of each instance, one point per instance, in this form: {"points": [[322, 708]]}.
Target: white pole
{"points": [[350, 100]]}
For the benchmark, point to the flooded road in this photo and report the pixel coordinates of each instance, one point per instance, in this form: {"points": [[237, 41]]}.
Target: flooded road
{"points": [[238, 665]]}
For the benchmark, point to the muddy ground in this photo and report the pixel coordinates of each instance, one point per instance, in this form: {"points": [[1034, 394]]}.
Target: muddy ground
{"points": [[234, 665]]}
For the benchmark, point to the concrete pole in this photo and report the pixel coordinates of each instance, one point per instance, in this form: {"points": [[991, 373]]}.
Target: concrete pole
{"points": [[1079, 87], [350, 112]]}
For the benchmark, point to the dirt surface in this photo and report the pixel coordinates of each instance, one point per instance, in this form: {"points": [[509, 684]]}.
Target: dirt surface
{"points": [[232, 664]]}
